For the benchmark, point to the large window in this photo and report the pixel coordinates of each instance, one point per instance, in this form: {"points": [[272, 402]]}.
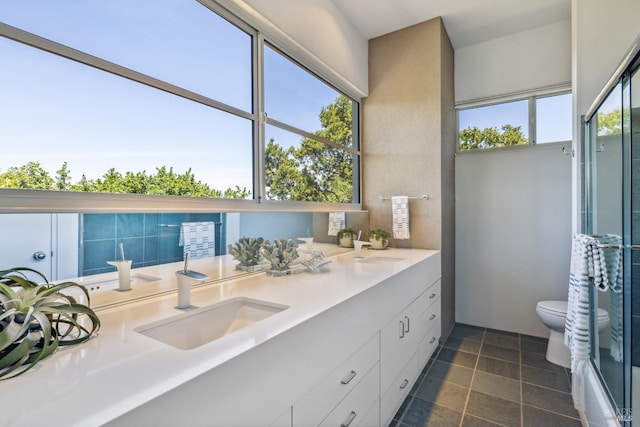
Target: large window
{"points": [[310, 150], [164, 98], [527, 121]]}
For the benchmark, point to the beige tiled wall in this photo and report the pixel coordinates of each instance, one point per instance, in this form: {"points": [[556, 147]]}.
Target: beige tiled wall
{"points": [[408, 140]]}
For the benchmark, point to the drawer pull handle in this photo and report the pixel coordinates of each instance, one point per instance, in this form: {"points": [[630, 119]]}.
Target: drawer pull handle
{"points": [[347, 379], [433, 316], [404, 384], [349, 419], [432, 296], [401, 329], [408, 324], [432, 340]]}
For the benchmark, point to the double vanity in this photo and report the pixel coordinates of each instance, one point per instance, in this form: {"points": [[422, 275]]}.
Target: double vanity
{"points": [[341, 347]]}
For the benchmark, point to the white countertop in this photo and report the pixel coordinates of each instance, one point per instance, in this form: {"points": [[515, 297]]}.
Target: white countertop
{"points": [[120, 369]]}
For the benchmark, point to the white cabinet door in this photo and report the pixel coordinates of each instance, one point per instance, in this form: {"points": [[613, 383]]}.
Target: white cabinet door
{"points": [[31, 243], [399, 340]]}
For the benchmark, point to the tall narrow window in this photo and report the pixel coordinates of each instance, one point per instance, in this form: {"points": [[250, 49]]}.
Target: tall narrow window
{"points": [[310, 150], [553, 118]]}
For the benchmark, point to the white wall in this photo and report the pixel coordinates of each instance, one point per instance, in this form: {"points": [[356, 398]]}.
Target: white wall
{"points": [[528, 60], [513, 236], [315, 31]]}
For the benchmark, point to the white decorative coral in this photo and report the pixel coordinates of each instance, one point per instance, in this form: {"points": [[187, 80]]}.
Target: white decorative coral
{"points": [[247, 250], [281, 253]]}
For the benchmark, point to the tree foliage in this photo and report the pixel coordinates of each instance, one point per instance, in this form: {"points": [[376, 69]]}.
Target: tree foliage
{"points": [[609, 123], [164, 182], [472, 138], [315, 171]]}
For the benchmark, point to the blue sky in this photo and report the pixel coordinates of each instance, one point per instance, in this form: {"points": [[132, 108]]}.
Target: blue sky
{"points": [[55, 110]]}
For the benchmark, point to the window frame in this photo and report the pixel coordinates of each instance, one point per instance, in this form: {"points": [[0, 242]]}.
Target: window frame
{"points": [[530, 97], [51, 201]]}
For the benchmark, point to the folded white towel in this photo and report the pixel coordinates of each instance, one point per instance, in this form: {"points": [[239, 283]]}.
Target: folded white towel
{"points": [[198, 238], [586, 262], [336, 223], [400, 210]]}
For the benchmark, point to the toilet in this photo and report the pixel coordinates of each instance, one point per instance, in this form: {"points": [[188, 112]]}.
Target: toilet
{"points": [[554, 315]]}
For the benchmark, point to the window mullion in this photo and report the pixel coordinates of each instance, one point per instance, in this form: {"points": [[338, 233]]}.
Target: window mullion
{"points": [[532, 121], [259, 123]]}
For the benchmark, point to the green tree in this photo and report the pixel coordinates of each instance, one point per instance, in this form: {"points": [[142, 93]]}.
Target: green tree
{"points": [[29, 176], [472, 138], [63, 178], [609, 123], [315, 171]]}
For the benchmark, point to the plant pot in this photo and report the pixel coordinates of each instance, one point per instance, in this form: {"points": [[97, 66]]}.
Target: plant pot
{"points": [[377, 243], [346, 241]]}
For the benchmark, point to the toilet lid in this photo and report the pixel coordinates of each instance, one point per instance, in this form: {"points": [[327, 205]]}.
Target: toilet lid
{"points": [[555, 307], [560, 308]]}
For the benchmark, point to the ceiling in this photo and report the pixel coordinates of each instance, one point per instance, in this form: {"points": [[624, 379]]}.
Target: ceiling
{"points": [[467, 21]]}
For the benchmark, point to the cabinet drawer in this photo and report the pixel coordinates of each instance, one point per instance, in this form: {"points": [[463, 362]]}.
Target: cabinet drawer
{"points": [[430, 342], [431, 317], [317, 403], [283, 420], [433, 293], [372, 417], [352, 410], [393, 397]]}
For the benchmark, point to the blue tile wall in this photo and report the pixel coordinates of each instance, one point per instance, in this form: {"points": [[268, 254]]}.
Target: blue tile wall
{"points": [[148, 239]]}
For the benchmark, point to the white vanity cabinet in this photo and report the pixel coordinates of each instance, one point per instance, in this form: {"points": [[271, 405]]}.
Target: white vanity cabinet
{"points": [[351, 364], [406, 343]]}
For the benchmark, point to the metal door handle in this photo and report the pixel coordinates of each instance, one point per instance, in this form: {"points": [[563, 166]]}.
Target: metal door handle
{"points": [[401, 329], [432, 340], [39, 255], [408, 324], [433, 316], [432, 296], [404, 384]]}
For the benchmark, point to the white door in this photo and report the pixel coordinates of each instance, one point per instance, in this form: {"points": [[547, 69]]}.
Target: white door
{"points": [[27, 242]]}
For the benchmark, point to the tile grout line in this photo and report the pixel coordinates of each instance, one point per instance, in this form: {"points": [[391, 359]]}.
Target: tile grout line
{"points": [[521, 391], [466, 402]]}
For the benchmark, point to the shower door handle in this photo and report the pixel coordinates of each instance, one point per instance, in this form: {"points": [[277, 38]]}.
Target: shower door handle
{"points": [[610, 246]]}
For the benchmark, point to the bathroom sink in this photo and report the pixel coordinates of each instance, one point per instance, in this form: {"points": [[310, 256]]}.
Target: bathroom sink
{"points": [[379, 259], [203, 325]]}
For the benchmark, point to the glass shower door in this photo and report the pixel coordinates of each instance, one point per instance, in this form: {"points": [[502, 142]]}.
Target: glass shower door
{"points": [[612, 213], [606, 220]]}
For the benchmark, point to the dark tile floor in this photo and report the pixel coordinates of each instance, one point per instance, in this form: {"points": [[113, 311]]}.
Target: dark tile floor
{"points": [[485, 378]]}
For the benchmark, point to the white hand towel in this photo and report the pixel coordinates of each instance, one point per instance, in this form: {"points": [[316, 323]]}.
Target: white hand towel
{"points": [[336, 223], [198, 238], [586, 262], [400, 209]]}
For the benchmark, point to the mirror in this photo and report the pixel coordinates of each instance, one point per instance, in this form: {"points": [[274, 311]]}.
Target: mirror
{"points": [[78, 247]]}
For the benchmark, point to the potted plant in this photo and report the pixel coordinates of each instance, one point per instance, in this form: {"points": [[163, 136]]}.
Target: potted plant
{"points": [[379, 238], [346, 236], [247, 251], [35, 319]]}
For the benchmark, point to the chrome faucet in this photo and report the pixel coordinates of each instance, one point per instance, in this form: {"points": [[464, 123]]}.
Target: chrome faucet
{"points": [[185, 278]]}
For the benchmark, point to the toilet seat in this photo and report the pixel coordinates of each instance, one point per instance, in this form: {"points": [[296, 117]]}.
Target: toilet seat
{"points": [[559, 309]]}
